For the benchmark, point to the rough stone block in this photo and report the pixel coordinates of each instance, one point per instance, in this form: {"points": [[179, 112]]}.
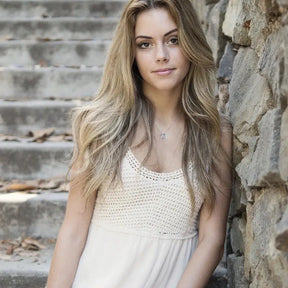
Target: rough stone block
{"points": [[18, 118], [237, 235], [284, 74], [264, 167], [261, 167], [233, 25], [226, 64], [31, 214], [283, 156], [49, 82], [236, 278], [262, 217], [202, 12], [232, 13], [238, 199], [219, 278], [273, 63], [281, 241], [258, 21], [250, 95], [214, 33], [34, 160]]}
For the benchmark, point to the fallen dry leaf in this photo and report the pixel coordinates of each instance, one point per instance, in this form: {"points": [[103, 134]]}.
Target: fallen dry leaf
{"points": [[5, 38], [31, 244], [8, 246], [10, 250], [37, 186], [68, 138], [64, 187], [40, 135], [20, 187], [52, 184], [8, 138]]}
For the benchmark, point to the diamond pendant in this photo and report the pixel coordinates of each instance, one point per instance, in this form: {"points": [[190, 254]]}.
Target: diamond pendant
{"points": [[163, 136]]}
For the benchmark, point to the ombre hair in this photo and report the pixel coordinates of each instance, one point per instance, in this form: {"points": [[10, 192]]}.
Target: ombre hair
{"points": [[103, 130]]}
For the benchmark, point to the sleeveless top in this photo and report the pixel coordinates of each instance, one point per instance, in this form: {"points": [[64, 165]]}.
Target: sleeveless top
{"points": [[142, 232]]}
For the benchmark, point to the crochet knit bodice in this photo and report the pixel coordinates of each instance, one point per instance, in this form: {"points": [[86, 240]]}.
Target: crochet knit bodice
{"points": [[143, 232], [149, 203]]}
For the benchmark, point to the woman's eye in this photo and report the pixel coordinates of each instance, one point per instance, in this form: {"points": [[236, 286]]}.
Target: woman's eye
{"points": [[173, 41], [144, 45]]}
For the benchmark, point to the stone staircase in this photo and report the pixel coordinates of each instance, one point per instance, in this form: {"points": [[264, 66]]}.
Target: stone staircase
{"points": [[51, 59]]}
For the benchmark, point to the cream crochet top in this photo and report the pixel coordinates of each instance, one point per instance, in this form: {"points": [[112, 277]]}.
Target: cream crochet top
{"points": [[142, 232], [149, 203]]}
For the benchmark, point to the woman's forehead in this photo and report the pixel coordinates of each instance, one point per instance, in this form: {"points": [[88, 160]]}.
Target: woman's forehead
{"points": [[153, 22]]}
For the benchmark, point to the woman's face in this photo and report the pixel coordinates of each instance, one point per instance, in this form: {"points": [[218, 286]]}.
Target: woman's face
{"points": [[159, 57]]}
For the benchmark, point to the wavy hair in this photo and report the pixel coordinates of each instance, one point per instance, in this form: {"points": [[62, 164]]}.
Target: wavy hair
{"points": [[103, 130]]}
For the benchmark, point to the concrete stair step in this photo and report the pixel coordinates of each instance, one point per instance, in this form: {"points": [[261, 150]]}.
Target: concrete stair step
{"points": [[18, 118], [22, 278], [26, 271], [58, 28], [31, 215], [59, 8], [20, 160], [51, 53], [49, 82]]}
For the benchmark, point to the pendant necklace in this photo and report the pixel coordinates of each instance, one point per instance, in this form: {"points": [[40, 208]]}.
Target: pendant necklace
{"points": [[163, 134]]}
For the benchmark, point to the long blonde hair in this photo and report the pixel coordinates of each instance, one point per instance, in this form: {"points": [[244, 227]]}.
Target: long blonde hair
{"points": [[104, 129]]}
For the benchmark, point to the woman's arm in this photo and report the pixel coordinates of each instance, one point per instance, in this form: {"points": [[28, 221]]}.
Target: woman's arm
{"points": [[212, 226], [71, 238]]}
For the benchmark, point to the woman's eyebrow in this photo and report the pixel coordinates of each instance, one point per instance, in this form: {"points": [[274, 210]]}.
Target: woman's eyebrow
{"points": [[149, 37]]}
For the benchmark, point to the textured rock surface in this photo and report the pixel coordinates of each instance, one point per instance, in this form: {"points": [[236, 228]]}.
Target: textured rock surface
{"points": [[214, 32], [226, 64], [263, 156], [281, 242], [236, 273], [245, 107], [284, 147], [255, 95]]}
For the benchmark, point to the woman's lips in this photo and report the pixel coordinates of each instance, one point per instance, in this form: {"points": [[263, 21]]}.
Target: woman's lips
{"points": [[164, 72]]}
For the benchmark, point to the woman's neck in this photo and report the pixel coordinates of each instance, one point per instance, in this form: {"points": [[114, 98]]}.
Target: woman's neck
{"points": [[166, 105]]}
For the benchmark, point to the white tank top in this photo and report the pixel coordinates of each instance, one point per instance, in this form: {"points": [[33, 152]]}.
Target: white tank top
{"points": [[142, 233]]}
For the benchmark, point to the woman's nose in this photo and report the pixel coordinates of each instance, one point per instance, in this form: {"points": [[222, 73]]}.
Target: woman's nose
{"points": [[162, 54]]}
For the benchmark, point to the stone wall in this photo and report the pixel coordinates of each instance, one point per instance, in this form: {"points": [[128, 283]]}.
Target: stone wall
{"points": [[249, 39]]}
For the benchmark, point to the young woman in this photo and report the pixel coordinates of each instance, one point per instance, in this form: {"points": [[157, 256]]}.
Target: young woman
{"points": [[150, 184]]}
